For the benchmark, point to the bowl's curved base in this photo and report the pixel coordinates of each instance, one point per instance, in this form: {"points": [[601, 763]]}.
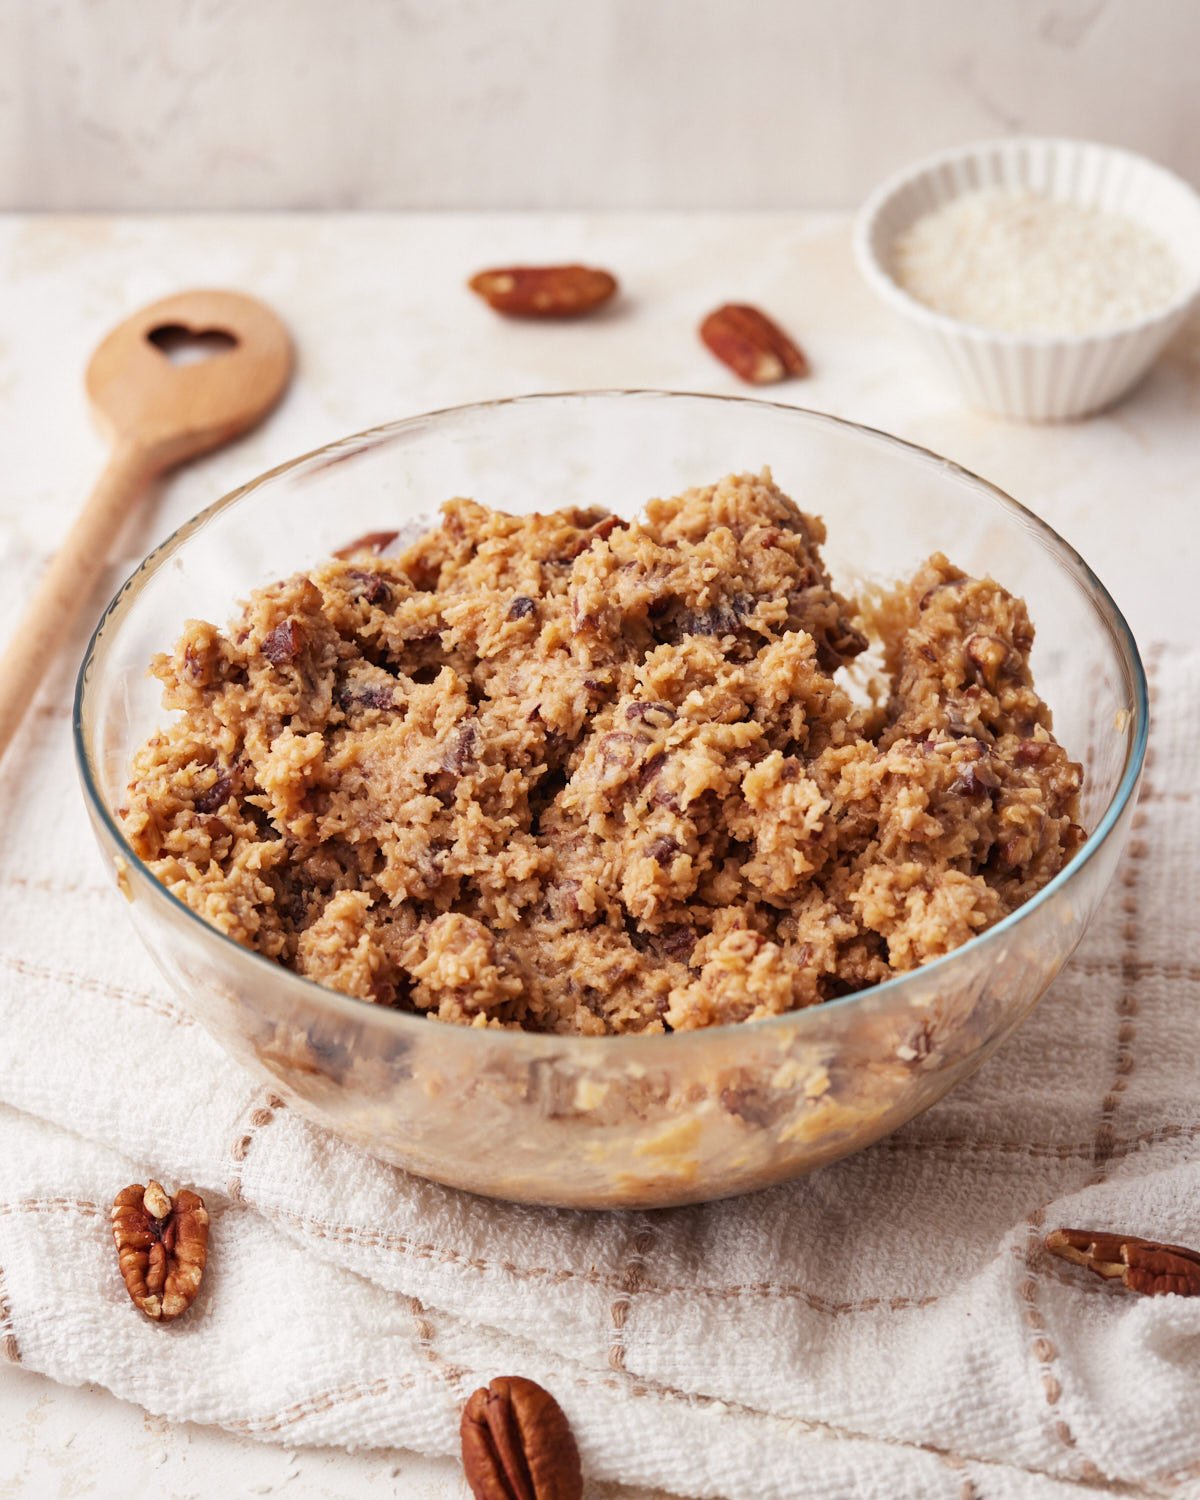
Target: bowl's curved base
{"points": [[677, 1180]]}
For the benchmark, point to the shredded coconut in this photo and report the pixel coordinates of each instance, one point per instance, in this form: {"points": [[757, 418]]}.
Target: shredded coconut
{"points": [[1028, 264]]}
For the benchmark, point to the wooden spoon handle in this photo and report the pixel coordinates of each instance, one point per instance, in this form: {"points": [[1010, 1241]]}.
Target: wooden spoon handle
{"points": [[68, 582]]}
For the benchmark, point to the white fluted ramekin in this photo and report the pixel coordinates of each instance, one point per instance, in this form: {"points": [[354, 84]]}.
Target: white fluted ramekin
{"points": [[1036, 378]]}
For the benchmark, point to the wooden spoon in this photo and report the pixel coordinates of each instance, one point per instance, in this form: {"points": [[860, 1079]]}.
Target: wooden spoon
{"points": [[156, 414]]}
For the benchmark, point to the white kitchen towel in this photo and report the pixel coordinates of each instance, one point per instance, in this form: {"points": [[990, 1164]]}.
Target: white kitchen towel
{"points": [[888, 1327]]}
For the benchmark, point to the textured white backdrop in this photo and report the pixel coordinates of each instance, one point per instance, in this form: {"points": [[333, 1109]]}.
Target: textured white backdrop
{"points": [[557, 104]]}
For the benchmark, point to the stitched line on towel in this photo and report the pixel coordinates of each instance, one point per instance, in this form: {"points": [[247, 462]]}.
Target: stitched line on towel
{"points": [[1041, 1346], [79, 1206], [1152, 794], [9, 1346], [1081, 1151], [88, 985], [632, 1279], [260, 1113], [1176, 1477], [345, 1395], [1131, 929], [52, 711], [377, 1239], [640, 1387], [1141, 968], [455, 1376], [322, 1402]]}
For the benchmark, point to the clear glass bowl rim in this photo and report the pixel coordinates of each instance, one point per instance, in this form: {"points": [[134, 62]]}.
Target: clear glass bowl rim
{"points": [[636, 1046]]}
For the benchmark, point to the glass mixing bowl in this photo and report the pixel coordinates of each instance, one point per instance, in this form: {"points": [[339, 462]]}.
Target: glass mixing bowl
{"points": [[623, 1121]]}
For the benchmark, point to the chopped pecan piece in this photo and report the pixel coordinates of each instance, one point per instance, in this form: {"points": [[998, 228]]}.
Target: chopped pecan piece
{"points": [[202, 667], [1143, 1265], [653, 715], [975, 780], [648, 772], [218, 794], [283, 644], [518, 1445], [369, 587], [662, 850], [460, 757], [162, 1247], [988, 656], [754, 348], [1031, 752], [371, 695], [544, 291], [677, 942]]}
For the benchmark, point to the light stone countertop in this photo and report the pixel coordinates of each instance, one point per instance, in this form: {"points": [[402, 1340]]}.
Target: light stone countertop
{"points": [[385, 329]]}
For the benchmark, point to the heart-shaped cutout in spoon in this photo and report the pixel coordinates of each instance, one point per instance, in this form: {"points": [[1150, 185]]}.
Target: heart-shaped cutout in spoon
{"points": [[183, 347], [170, 411]]}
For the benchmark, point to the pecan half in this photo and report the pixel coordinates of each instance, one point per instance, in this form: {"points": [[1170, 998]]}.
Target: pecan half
{"points": [[518, 1445], [162, 1247], [1143, 1265], [754, 348], [544, 291]]}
